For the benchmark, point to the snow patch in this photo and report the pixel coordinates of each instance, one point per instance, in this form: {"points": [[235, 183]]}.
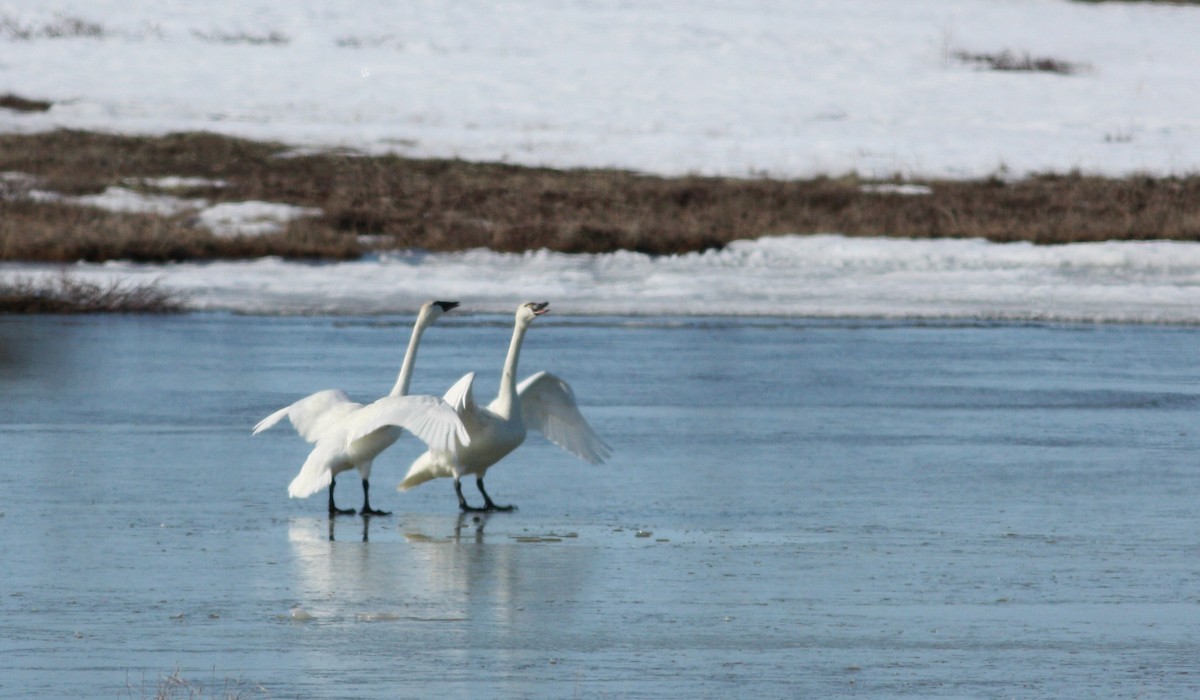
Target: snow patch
{"points": [[176, 182], [16, 185], [889, 188], [126, 201], [251, 218]]}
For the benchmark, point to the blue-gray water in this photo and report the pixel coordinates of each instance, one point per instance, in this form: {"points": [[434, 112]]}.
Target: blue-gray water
{"points": [[793, 509]]}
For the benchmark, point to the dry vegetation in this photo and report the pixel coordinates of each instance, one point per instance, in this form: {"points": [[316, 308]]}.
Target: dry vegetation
{"points": [[60, 232], [63, 26], [176, 687], [390, 201], [252, 38], [1021, 62], [69, 295], [17, 103]]}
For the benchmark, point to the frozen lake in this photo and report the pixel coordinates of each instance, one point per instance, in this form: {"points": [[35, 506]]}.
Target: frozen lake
{"points": [[794, 508]]}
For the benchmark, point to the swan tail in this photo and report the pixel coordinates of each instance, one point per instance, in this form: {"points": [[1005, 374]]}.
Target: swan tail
{"points": [[427, 467], [315, 475]]}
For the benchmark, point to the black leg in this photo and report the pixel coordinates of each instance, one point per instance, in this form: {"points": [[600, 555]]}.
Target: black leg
{"points": [[462, 502], [334, 510], [367, 509], [487, 500]]}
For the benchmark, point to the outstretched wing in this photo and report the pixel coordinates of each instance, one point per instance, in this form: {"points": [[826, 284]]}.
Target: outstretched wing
{"points": [[548, 406], [431, 419], [312, 416]]}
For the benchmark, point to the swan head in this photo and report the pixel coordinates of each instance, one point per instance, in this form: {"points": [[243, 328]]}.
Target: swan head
{"points": [[527, 312], [433, 310]]}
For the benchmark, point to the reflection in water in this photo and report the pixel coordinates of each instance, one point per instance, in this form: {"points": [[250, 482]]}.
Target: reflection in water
{"points": [[353, 525], [359, 528], [442, 567], [412, 528], [474, 522], [364, 520]]}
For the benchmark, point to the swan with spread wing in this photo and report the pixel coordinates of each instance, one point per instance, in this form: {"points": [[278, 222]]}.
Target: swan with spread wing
{"points": [[543, 402], [349, 435]]}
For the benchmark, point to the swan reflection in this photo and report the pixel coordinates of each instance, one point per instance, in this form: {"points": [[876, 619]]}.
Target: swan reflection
{"points": [[444, 567]]}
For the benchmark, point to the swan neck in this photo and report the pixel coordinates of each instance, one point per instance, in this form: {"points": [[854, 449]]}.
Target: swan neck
{"points": [[410, 359], [508, 378]]}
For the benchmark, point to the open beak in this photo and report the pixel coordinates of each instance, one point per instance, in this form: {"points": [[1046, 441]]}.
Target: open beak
{"points": [[540, 308]]}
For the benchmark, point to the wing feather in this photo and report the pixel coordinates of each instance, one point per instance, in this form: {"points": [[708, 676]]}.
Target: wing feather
{"points": [[313, 416], [548, 406], [431, 419]]}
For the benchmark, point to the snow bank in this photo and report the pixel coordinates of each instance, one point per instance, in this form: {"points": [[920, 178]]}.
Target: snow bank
{"points": [[801, 276]]}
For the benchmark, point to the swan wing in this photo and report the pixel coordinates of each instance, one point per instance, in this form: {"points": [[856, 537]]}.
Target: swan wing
{"points": [[548, 406], [460, 396], [431, 419], [312, 416]]}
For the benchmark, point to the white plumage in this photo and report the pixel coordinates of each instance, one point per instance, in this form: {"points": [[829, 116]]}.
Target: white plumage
{"points": [[548, 406], [543, 402], [348, 435]]}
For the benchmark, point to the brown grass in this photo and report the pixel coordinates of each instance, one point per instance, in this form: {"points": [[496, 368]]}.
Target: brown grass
{"points": [[175, 687], [252, 38], [23, 104], [1023, 62], [390, 201], [57, 232], [67, 294], [63, 26]]}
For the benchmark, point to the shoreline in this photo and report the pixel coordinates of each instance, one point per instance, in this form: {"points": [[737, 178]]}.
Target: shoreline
{"points": [[71, 196]]}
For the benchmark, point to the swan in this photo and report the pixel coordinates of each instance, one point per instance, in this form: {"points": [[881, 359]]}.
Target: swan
{"points": [[543, 402], [349, 435]]}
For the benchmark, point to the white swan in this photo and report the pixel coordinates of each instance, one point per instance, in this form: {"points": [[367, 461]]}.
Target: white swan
{"points": [[349, 435], [542, 402]]}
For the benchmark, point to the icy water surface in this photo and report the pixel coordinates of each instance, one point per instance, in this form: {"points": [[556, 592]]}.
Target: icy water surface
{"points": [[793, 509]]}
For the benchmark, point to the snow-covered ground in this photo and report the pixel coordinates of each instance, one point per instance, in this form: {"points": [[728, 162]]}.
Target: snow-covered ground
{"points": [[797, 87], [787, 87]]}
